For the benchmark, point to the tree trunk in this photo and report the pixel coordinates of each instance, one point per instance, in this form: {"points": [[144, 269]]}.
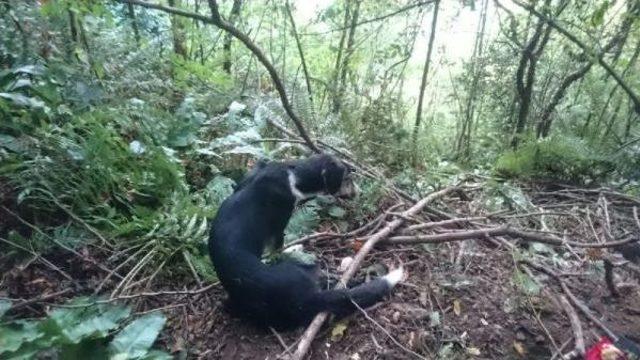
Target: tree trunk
{"points": [[631, 63], [307, 77], [464, 138], [226, 45], [423, 81], [525, 77], [134, 23], [337, 103], [544, 125], [178, 32], [336, 67], [528, 62], [73, 26]]}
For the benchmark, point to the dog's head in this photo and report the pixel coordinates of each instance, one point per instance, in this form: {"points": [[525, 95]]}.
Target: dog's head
{"points": [[323, 174]]}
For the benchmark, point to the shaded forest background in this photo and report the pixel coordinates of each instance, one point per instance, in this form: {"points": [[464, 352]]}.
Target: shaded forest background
{"points": [[125, 123]]}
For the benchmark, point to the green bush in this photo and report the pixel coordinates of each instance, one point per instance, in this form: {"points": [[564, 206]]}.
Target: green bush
{"points": [[560, 158], [87, 167]]}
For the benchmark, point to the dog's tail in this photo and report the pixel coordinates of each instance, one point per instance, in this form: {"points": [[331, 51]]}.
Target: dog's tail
{"points": [[340, 302]]}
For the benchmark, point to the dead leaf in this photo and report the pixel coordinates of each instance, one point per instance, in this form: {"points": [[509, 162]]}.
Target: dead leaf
{"points": [[473, 351], [357, 244], [457, 307], [423, 298], [610, 352], [338, 331], [519, 348], [396, 316]]}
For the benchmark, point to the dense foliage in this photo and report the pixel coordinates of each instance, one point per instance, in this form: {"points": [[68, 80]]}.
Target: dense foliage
{"points": [[124, 127]]}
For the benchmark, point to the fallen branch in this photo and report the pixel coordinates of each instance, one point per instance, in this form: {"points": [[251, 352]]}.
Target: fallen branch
{"points": [[38, 299], [434, 224], [576, 302], [576, 325], [314, 327], [332, 235], [501, 231]]}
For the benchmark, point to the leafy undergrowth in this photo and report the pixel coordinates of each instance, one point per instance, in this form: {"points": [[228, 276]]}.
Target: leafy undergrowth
{"points": [[113, 200], [463, 299], [82, 329]]}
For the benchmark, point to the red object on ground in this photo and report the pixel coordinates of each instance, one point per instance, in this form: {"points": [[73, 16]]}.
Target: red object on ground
{"points": [[604, 350]]}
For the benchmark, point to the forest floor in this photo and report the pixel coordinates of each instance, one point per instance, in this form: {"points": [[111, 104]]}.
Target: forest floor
{"points": [[461, 299]]}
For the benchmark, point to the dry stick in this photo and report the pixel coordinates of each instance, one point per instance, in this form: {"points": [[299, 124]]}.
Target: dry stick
{"points": [[133, 272], [635, 217], [39, 257], [280, 340], [121, 265], [577, 303], [193, 270], [75, 217], [501, 231], [386, 332], [576, 325], [139, 295], [430, 225], [39, 299], [331, 235], [57, 242], [218, 21], [314, 327]]}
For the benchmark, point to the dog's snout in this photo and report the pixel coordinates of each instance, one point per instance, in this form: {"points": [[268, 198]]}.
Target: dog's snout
{"points": [[348, 189]]}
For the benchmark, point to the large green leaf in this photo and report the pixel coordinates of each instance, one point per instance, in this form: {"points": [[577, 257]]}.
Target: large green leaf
{"points": [[14, 335], [337, 212], [218, 189], [77, 324], [135, 340]]}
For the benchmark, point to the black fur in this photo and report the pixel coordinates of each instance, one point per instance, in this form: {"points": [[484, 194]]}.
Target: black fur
{"points": [[284, 295]]}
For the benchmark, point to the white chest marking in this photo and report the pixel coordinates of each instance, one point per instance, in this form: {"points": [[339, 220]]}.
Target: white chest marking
{"points": [[299, 195]]}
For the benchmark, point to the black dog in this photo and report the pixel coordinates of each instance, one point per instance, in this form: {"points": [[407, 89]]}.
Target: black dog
{"points": [[284, 295]]}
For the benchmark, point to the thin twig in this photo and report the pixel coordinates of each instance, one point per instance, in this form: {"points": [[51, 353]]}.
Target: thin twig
{"points": [[386, 332], [39, 257], [57, 242], [287, 348], [40, 298]]}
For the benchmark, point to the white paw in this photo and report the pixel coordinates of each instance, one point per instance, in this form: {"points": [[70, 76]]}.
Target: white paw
{"points": [[394, 277]]}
